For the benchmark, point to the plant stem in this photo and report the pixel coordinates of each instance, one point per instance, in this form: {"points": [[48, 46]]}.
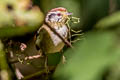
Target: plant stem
{"points": [[5, 71], [34, 74]]}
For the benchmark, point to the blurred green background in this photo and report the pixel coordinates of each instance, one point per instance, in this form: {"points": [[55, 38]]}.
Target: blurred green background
{"points": [[95, 57]]}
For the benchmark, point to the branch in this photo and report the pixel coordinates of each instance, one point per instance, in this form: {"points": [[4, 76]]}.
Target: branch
{"points": [[15, 60], [34, 74]]}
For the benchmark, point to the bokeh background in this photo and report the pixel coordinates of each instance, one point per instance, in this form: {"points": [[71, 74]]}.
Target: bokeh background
{"points": [[96, 56]]}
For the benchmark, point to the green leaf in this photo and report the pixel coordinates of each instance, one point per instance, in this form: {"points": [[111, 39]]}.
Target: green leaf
{"points": [[92, 11], [109, 21], [89, 58], [16, 18]]}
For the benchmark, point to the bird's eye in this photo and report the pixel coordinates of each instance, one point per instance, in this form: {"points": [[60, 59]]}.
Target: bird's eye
{"points": [[59, 14], [51, 15]]}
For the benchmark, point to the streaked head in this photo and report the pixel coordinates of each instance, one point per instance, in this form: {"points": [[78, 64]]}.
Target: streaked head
{"points": [[59, 14]]}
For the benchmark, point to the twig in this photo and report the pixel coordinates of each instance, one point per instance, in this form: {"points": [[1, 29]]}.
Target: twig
{"points": [[15, 60], [63, 39], [34, 74]]}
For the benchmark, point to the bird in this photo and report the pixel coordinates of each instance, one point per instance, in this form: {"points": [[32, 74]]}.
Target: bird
{"points": [[46, 40]]}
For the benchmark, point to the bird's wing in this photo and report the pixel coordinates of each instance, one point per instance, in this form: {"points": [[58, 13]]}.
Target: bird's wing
{"points": [[39, 37]]}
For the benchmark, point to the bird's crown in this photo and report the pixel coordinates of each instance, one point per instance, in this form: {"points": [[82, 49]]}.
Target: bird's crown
{"points": [[55, 15]]}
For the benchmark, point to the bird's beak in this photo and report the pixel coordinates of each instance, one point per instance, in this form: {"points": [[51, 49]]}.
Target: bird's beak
{"points": [[69, 13]]}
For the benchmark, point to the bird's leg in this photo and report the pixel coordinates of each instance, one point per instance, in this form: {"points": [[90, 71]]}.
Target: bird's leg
{"points": [[40, 53], [45, 60], [46, 64]]}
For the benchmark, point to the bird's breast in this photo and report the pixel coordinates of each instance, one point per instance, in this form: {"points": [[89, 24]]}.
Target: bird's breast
{"points": [[63, 31], [51, 43]]}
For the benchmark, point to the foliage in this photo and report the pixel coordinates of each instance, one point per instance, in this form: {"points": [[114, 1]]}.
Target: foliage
{"points": [[16, 17], [94, 57]]}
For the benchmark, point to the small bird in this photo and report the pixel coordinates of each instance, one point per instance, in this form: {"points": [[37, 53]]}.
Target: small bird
{"points": [[46, 39]]}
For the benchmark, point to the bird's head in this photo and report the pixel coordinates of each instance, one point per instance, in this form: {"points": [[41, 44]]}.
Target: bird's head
{"points": [[57, 15]]}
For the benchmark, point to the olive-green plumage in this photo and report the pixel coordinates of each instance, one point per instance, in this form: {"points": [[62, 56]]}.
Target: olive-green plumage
{"points": [[46, 40]]}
